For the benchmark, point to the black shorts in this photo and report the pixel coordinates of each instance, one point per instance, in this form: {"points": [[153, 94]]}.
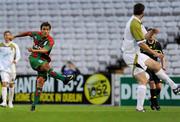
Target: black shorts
{"points": [[153, 77]]}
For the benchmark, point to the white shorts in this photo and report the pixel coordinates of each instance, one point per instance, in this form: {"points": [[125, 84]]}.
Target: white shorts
{"points": [[130, 60], [7, 77]]}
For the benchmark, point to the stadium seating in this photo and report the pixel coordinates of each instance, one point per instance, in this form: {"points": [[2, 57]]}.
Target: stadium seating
{"points": [[88, 32]]}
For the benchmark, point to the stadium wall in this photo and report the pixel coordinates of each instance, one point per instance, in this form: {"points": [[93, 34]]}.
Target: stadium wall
{"points": [[125, 92], [85, 89], [95, 89]]}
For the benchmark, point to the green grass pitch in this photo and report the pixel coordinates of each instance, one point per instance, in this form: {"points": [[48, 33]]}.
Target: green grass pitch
{"points": [[69, 113]]}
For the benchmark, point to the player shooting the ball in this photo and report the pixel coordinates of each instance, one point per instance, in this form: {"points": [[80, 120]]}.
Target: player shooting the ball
{"points": [[39, 58]]}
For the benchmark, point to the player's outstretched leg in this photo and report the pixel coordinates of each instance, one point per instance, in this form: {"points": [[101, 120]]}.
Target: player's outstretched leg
{"points": [[54, 74], [177, 90], [156, 67], [39, 86], [162, 75], [59, 76]]}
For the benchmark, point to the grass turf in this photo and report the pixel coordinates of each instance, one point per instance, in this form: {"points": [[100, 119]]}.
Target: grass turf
{"points": [[62, 113]]}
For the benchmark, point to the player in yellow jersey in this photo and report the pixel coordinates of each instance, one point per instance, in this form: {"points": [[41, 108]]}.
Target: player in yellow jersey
{"points": [[135, 36]]}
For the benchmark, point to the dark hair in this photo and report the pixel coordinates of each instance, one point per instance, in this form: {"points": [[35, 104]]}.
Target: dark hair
{"points": [[138, 9], [46, 24], [149, 29], [7, 32], [69, 62]]}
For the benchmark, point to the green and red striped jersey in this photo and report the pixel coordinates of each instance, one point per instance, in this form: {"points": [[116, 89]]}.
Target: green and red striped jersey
{"points": [[39, 42]]}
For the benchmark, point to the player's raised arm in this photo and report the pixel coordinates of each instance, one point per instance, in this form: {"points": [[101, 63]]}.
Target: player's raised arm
{"points": [[163, 63], [146, 48], [163, 60], [23, 34]]}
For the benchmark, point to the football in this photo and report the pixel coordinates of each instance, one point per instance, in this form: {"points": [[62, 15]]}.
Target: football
{"points": [[69, 72]]}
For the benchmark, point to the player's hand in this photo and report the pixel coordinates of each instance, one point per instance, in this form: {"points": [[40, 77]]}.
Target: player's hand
{"points": [[164, 68], [159, 55], [14, 62], [30, 50], [11, 37]]}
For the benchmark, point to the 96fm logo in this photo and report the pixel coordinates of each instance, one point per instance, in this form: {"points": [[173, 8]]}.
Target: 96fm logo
{"points": [[97, 89]]}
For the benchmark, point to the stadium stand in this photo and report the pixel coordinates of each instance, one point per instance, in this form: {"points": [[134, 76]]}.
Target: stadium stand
{"points": [[89, 32]]}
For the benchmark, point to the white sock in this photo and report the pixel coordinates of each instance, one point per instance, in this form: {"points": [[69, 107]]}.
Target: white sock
{"points": [[141, 93], [4, 94], [11, 94], [163, 76]]}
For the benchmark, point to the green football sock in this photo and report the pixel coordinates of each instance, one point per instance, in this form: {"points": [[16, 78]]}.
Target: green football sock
{"points": [[56, 75], [37, 95]]}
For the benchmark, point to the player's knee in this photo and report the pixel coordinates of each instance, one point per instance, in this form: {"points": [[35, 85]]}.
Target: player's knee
{"points": [[11, 85], [158, 86], [143, 82], [4, 84], [142, 78], [152, 84], [157, 66], [45, 67], [40, 82], [147, 76]]}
